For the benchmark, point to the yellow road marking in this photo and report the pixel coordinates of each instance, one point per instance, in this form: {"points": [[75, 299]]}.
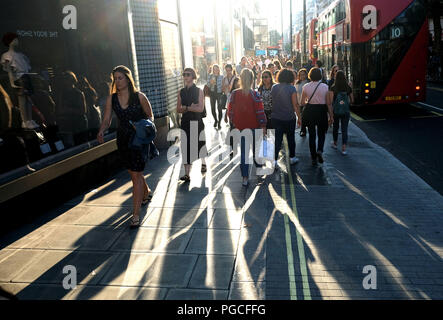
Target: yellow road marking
{"points": [[301, 249]]}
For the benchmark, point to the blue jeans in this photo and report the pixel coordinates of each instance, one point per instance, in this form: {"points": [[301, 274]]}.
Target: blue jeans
{"points": [[244, 149], [342, 121], [284, 127]]}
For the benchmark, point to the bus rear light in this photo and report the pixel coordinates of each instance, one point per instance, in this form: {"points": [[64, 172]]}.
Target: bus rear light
{"points": [[367, 91], [367, 85], [417, 88]]}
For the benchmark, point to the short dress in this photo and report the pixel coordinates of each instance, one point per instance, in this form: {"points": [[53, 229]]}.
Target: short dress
{"points": [[131, 159], [188, 97]]}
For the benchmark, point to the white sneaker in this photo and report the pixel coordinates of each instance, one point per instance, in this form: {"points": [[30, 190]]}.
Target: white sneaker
{"points": [[344, 153], [294, 160]]}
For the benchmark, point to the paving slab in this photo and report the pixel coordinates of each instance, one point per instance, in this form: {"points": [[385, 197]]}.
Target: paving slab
{"points": [[151, 270], [195, 294], [178, 218], [212, 272], [77, 238], [36, 291], [213, 241], [116, 293], [12, 262], [91, 216], [227, 219], [48, 268], [147, 239]]}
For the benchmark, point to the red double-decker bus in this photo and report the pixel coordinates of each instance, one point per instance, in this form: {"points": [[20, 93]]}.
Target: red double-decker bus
{"points": [[381, 45], [311, 41]]}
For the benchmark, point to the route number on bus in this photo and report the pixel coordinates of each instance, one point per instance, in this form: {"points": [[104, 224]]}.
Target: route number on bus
{"points": [[396, 32]]}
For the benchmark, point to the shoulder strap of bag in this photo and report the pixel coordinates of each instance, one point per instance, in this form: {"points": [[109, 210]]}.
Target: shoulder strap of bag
{"points": [[314, 92], [230, 81]]}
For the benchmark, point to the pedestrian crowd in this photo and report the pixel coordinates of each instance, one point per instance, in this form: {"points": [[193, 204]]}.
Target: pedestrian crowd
{"points": [[259, 95]]}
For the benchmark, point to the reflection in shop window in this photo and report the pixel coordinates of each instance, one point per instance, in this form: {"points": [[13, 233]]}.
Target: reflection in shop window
{"points": [[55, 80]]}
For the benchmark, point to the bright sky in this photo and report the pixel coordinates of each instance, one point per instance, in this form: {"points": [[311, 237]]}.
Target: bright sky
{"points": [[272, 11]]}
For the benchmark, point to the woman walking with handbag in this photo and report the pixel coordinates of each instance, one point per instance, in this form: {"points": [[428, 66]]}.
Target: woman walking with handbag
{"points": [[285, 111], [315, 113], [299, 84], [228, 79], [190, 103], [246, 111], [341, 95], [215, 83], [129, 106], [265, 88]]}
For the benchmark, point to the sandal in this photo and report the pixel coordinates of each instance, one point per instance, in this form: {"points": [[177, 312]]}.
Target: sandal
{"points": [[204, 168], [135, 223], [147, 199], [185, 178]]}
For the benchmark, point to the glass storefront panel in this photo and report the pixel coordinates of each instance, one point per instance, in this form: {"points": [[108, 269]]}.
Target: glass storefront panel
{"points": [[173, 66], [56, 60]]}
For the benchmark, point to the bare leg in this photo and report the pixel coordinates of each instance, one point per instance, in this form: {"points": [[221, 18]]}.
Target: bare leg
{"points": [[146, 189], [137, 191]]}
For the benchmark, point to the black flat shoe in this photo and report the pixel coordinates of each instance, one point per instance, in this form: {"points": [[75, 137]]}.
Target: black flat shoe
{"points": [[314, 162], [185, 178], [320, 158]]}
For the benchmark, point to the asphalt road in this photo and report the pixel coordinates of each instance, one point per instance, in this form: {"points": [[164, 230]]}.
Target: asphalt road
{"points": [[412, 133]]}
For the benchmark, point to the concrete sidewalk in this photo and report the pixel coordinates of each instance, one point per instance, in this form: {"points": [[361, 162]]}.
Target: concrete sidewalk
{"points": [[300, 233]]}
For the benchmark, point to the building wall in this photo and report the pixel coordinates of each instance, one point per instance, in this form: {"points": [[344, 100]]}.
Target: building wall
{"points": [[158, 54], [151, 74]]}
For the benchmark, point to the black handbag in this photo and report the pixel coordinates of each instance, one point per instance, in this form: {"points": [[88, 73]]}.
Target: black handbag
{"points": [[305, 115]]}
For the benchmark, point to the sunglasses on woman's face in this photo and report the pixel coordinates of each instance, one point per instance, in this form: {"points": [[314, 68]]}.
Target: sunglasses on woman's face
{"points": [[266, 77], [187, 74]]}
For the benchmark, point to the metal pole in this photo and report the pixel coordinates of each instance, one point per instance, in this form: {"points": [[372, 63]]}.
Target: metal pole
{"points": [[304, 32], [217, 45], [282, 37], [290, 25]]}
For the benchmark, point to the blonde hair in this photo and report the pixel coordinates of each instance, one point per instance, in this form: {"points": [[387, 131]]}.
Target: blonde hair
{"points": [[216, 66], [246, 79]]}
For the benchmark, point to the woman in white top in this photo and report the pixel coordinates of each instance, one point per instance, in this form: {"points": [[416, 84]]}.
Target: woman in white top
{"points": [[299, 84], [318, 106], [228, 79]]}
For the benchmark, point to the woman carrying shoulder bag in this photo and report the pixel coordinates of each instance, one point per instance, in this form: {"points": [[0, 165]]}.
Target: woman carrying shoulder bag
{"points": [[341, 94], [245, 110], [317, 108]]}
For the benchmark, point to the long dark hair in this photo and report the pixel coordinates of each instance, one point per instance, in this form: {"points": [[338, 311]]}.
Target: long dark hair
{"points": [[262, 84], [133, 96], [340, 84], [234, 84], [299, 78]]}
